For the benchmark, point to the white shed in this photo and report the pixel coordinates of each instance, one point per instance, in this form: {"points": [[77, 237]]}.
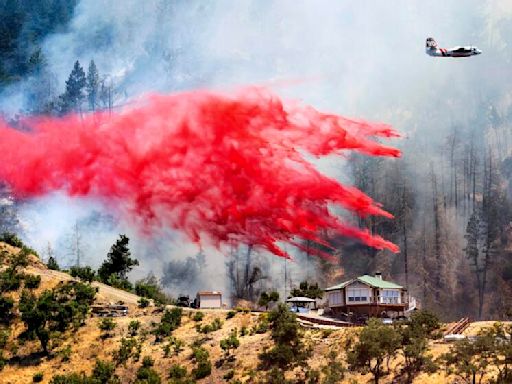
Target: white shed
{"points": [[209, 299]]}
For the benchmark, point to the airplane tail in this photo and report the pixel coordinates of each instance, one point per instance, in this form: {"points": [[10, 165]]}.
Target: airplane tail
{"points": [[430, 43]]}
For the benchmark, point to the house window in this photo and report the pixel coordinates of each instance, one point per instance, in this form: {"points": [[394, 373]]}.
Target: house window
{"points": [[335, 298], [355, 295], [389, 296]]}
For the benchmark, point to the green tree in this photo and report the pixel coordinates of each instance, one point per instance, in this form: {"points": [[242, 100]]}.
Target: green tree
{"points": [[267, 298], [146, 374], [52, 264], [106, 325], [414, 337], [288, 350], [74, 94], [470, 360], [83, 273], [6, 310], [104, 373], [58, 309], [306, 289], [230, 343], [377, 342], [92, 85], [118, 262]]}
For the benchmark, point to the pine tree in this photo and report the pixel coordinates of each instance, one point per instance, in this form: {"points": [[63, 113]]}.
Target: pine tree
{"points": [[118, 261], [75, 84], [92, 86]]}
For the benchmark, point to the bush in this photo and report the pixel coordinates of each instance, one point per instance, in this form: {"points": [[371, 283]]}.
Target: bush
{"points": [[168, 323], [6, 309], [104, 373], [230, 315], [52, 264], [203, 369], [11, 239], [9, 281], [133, 327], [177, 372], [106, 325], [32, 281], [83, 273], [231, 342], [143, 302], [215, 325], [150, 288], [229, 375], [4, 337], [288, 350], [125, 351], [198, 316], [65, 354], [38, 377]]}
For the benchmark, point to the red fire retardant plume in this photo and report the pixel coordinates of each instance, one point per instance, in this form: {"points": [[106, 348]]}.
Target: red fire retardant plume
{"points": [[220, 168]]}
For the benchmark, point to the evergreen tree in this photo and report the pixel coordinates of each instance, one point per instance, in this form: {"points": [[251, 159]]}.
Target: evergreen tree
{"points": [[92, 86], [118, 262], [74, 94]]}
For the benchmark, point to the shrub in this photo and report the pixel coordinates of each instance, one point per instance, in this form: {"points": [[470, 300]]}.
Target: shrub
{"points": [[133, 327], [65, 354], [168, 323], [4, 337], [150, 288], [9, 281], [106, 325], [177, 372], [32, 281], [6, 309], [143, 302], [215, 325], [229, 375], [288, 350], [198, 316], [83, 273], [38, 377], [203, 369], [147, 375], [125, 351], [376, 343], [230, 315], [231, 342], [11, 239], [104, 373], [52, 264]]}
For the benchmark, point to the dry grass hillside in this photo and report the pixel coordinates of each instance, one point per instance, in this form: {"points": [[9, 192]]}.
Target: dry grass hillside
{"points": [[78, 352]]}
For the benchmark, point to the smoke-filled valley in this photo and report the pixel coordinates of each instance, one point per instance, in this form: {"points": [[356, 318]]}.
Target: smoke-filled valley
{"points": [[449, 192]]}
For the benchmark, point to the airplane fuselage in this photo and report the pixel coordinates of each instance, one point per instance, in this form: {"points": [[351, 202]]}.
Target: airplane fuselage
{"points": [[453, 52]]}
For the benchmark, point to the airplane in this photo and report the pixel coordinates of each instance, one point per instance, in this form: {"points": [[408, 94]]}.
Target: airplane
{"points": [[433, 50]]}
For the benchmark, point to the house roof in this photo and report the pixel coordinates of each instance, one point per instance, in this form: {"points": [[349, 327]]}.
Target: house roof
{"points": [[372, 281], [300, 299]]}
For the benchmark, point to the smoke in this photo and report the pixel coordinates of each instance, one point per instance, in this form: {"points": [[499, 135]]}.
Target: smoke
{"points": [[223, 169], [356, 58]]}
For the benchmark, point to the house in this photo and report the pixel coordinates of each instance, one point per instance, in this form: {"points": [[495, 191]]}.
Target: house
{"points": [[367, 295], [209, 299]]}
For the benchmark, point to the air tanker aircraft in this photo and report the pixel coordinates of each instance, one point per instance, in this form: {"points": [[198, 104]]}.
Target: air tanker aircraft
{"points": [[433, 50]]}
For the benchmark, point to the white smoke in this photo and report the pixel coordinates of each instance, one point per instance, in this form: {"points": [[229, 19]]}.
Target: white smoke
{"points": [[362, 59]]}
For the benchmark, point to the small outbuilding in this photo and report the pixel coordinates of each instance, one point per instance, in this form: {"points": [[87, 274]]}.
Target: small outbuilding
{"points": [[301, 304], [209, 299]]}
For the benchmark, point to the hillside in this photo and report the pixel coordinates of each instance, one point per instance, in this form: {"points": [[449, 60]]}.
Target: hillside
{"points": [[78, 352]]}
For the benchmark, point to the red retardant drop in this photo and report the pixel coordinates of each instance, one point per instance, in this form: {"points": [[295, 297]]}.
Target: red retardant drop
{"points": [[222, 168]]}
